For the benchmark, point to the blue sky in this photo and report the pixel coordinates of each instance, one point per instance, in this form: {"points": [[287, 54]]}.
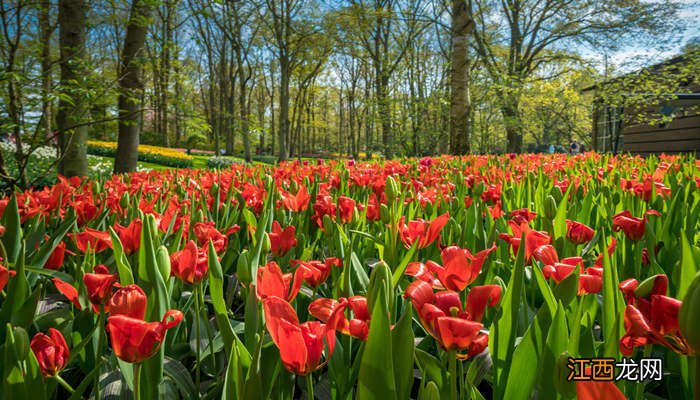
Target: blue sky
{"points": [[633, 57]]}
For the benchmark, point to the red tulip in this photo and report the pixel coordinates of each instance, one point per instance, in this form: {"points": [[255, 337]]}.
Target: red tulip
{"points": [[98, 240], [442, 316], [281, 241], [522, 216], [459, 268], [55, 260], [272, 282], [70, 292], [346, 207], [205, 231], [130, 236], [479, 298], [533, 239], [134, 340], [631, 226], [298, 202], [315, 272], [373, 211], [189, 264], [323, 206], [129, 300], [546, 254], [51, 352], [5, 275], [99, 285], [590, 281], [578, 233], [301, 345], [332, 313], [425, 232], [651, 316], [421, 271]]}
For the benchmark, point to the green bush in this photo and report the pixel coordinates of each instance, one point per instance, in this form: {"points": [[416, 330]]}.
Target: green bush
{"points": [[220, 162], [265, 159], [39, 169]]}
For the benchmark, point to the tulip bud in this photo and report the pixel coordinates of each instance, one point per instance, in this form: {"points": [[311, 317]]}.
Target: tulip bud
{"points": [[384, 214], [51, 352], [381, 275], [124, 201], [163, 262], [266, 245], [243, 268], [478, 189], [550, 207], [565, 387], [689, 315], [557, 194], [391, 189]]}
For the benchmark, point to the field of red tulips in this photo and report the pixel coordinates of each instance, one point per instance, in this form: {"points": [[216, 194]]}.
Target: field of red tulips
{"points": [[506, 277]]}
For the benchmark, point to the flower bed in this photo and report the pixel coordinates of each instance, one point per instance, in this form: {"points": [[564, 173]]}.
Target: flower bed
{"points": [[153, 154], [452, 277]]}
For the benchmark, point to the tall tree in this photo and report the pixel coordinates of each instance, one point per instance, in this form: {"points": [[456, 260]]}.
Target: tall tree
{"points": [[516, 38], [131, 86], [460, 104], [72, 17]]}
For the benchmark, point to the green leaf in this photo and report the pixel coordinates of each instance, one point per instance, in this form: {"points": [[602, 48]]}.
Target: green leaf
{"points": [[430, 392], [527, 358], [359, 273], [504, 329], [402, 349], [688, 266], [123, 265], [42, 255], [376, 379], [398, 272], [158, 302], [177, 372], [12, 239], [613, 307], [557, 341]]}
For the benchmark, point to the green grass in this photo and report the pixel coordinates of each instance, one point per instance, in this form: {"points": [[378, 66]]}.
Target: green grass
{"points": [[198, 161], [140, 164]]}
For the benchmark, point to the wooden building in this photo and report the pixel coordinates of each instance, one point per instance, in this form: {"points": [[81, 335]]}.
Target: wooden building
{"points": [[670, 124]]}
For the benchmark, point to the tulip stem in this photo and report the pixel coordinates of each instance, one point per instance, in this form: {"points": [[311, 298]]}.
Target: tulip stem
{"points": [[98, 352], [310, 386], [697, 377], [452, 360], [64, 384], [137, 381], [196, 332]]}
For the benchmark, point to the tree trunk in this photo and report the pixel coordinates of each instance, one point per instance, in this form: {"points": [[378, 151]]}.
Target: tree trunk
{"points": [[284, 108], [385, 114], [73, 135], [45, 56], [130, 87], [460, 103], [511, 121]]}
